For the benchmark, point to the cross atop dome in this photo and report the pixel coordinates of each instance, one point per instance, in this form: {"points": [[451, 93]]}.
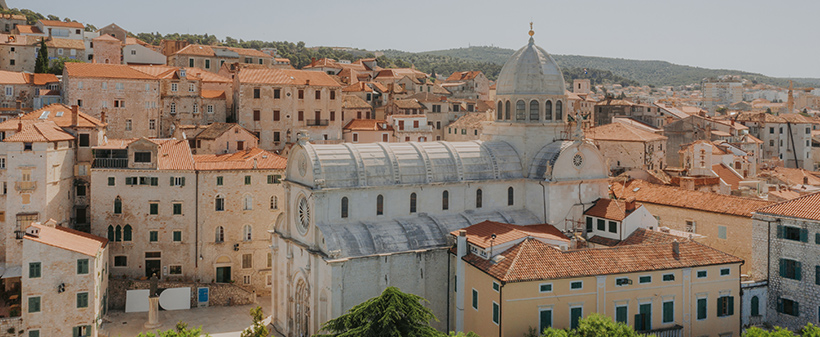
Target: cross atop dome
{"points": [[532, 32]]}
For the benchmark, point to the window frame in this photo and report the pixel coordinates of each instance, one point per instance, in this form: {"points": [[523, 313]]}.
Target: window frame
{"points": [[573, 283]]}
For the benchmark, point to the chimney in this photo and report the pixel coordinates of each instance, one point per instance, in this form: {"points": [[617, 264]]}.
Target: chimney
{"points": [[255, 163], [307, 82], [102, 116], [629, 204], [676, 249], [19, 106], [805, 180], [75, 115], [19, 125]]}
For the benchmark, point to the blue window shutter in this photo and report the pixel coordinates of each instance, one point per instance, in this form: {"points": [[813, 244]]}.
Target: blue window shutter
{"points": [[804, 235], [731, 305], [779, 231], [782, 268], [779, 305]]}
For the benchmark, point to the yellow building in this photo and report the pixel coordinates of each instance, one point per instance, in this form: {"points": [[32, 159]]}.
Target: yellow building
{"points": [[658, 285]]}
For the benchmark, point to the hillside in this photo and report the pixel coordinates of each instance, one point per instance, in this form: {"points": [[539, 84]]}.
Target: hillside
{"points": [[656, 73]]}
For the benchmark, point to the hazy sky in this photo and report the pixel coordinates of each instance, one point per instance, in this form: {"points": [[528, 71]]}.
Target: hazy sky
{"points": [[776, 38]]}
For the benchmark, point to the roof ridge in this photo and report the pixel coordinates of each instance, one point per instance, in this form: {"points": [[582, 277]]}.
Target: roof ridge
{"points": [[520, 248]]}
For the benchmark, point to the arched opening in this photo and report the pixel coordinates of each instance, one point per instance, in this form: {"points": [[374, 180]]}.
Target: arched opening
{"points": [[344, 207], [510, 196], [219, 203], [548, 110], [126, 233], [302, 310], [534, 113], [507, 110], [559, 110], [445, 200], [520, 110], [500, 112], [755, 306], [220, 234], [380, 205], [413, 202], [118, 233], [479, 198], [111, 233]]}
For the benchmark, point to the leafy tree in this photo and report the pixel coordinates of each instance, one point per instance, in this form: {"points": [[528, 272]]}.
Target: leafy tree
{"points": [[53, 17], [810, 330], [462, 334], [592, 326], [258, 329], [59, 64], [181, 330], [90, 28], [768, 110], [393, 313], [41, 63]]}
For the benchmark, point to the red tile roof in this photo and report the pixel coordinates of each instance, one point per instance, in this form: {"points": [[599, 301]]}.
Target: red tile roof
{"points": [[55, 23], [647, 236], [646, 192], [621, 132], [481, 233], [533, 260], [727, 175], [41, 131], [463, 76], [213, 94], [242, 160], [610, 209], [368, 125], [805, 207], [354, 102], [173, 154], [69, 239], [42, 79], [600, 240], [286, 77], [26, 29], [793, 176], [204, 50], [101, 70], [63, 120], [65, 43]]}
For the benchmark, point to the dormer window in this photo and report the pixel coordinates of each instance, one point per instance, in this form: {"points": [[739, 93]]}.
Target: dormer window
{"points": [[142, 157], [182, 72]]}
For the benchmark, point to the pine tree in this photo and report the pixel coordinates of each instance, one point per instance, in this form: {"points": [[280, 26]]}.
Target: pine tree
{"points": [[392, 314], [41, 65]]}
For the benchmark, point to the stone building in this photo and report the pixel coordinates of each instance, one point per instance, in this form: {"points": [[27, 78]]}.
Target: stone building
{"points": [[629, 148], [17, 52], [354, 107], [216, 138], [211, 58], [368, 131], [129, 99], [786, 237], [467, 127], [275, 103], [375, 215], [10, 21], [65, 280], [785, 137], [107, 49], [22, 88], [468, 84]]}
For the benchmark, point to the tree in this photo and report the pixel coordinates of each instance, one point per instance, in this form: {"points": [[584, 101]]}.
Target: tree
{"points": [[258, 329], [592, 326], [41, 64], [59, 65], [393, 313], [180, 331], [90, 28]]}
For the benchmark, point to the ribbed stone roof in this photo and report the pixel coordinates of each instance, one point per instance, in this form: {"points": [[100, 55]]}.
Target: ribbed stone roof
{"points": [[530, 71]]}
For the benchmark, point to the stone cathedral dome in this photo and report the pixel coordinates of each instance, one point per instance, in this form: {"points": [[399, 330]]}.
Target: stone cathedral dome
{"points": [[530, 71]]}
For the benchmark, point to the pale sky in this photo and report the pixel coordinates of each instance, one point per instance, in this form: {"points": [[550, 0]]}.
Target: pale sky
{"points": [[775, 38]]}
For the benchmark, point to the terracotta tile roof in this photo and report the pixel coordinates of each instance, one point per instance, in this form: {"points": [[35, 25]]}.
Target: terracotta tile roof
{"points": [[55, 23], [203, 50], [65, 43], [615, 102], [600, 240], [793, 176], [470, 120], [41, 131], [636, 124], [101, 70], [354, 102], [42, 79], [481, 233], [12, 77], [621, 132], [173, 154], [610, 209], [429, 97], [805, 207], [785, 194], [26, 29], [323, 63], [463, 76], [63, 120], [365, 87], [207, 76], [763, 117], [242, 160], [106, 37], [646, 192], [727, 175], [69, 239], [648, 236], [213, 94], [533, 260], [215, 130], [408, 104], [368, 125], [286, 77]]}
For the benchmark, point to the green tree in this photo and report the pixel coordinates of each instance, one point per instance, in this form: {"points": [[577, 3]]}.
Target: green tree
{"points": [[258, 329], [810, 330], [41, 63], [59, 64], [392, 314], [462, 334], [592, 326], [90, 28], [181, 330]]}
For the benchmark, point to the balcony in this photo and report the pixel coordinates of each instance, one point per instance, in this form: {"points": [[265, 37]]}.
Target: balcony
{"points": [[25, 186], [110, 163], [673, 331], [19, 234], [317, 122]]}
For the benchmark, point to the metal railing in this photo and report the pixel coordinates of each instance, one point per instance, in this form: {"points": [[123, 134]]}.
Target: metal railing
{"points": [[317, 122], [110, 163], [673, 331]]}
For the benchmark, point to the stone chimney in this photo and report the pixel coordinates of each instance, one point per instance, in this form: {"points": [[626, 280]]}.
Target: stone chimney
{"points": [[102, 116], [75, 115], [307, 82], [19, 125], [629, 204], [805, 180], [676, 249]]}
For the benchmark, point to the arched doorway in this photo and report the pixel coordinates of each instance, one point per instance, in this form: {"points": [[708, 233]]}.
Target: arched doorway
{"points": [[223, 269], [302, 302]]}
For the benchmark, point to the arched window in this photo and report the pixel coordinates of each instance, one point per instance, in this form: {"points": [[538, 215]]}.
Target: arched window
{"points": [[520, 108], [755, 306], [507, 110], [445, 200], [219, 203], [118, 205], [548, 110], [118, 233], [274, 202], [380, 205], [248, 202], [344, 207], [126, 233], [220, 234], [413, 202], [559, 110], [111, 233], [500, 112], [479, 198], [510, 196], [247, 233], [534, 113]]}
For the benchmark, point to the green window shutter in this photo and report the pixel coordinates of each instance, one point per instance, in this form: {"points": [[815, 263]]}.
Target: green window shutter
{"points": [[620, 315], [731, 305], [782, 268], [153, 209], [475, 299], [177, 236], [154, 181], [701, 308], [172, 181], [82, 266], [816, 274], [127, 180], [277, 178], [804, 235], [755, 306], [779, 305], [75, 331], [183, 181], [82, 300], [219, 181], [270, 179], [779, 231], [34, 333], [798, 273], [817, 238], [639, 322], [668, 312], [495, 313], [719, 302], [112, 181], [545, 319]]}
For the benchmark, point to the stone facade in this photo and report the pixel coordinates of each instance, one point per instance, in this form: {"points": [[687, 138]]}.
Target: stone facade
{"points": [[220, 294]]}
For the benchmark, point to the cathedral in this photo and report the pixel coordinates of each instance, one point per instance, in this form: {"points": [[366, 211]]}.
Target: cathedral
{"points": [[362, 217]]}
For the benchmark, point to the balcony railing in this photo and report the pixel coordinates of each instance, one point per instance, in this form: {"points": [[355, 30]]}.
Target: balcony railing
{"points": [[673, 331], [317, 122], [110, 163], [19, 234], [25, 186]]}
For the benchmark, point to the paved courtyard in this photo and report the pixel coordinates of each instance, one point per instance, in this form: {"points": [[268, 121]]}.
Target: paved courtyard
{"points": [[216, 321]]}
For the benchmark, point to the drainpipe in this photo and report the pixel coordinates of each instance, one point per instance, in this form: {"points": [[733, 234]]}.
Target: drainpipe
{"points": [[196, 224], [461, 248], [500, 300], [449, 286]]}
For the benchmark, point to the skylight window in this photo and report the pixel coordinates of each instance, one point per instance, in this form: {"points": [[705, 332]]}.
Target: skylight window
{"points": [[59, 114], [44, 115]]}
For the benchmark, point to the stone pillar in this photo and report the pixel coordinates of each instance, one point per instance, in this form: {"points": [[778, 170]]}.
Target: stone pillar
{"points": [[461, 249], [153, 313]]}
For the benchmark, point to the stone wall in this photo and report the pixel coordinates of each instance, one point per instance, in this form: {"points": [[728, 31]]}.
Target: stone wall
{"points": [[221, 294], [13, 323]]}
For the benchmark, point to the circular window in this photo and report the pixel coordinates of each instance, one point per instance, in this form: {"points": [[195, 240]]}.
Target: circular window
{"points": [[303, 222], [578, 160]]}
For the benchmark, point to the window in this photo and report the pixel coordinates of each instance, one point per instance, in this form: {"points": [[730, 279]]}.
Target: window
{"points": [[142, 157], [256, 116], [520, 106], [478, 198], [177, 181], [274, 202], [118, 233], [219, 181], [575, 315], [153, 208], [269, 262], [277, 93], [191, 62], [174, 87], [332, 94], [177, 236], [81, 188], [247, 261], [701, 314], [219, 203], [788, 307], [413, 202], [613, 227], [207, 64], [34, 304], [601, 224], [111, 236], [82, 300], [496, 312], [725, 271], [300, 115], [701, 274], [575, 285], [175, 270], [496, 286], [301, 94], [510, 196], [690, 226], [545, 287], [475, 299], [380, 205], [247, 202], [246, 279], [792, 233], [645, 279], [726, 306], [152, 124], [153, 236], [35, 270], [621, 314], [209, 109], [668, 311], [722, 232], [445, 200], [275, 115], [195, 108], [177, 208], [668, 277], [247, 233], [318, 94], [790, 269], [257, 93], [82, 266], [274, 178], [118, 206], [120, 261], [622, 281], [544, 319]]}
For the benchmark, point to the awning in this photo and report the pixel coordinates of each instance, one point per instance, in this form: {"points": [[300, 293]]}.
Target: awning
{"points": [[11, 271]]}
